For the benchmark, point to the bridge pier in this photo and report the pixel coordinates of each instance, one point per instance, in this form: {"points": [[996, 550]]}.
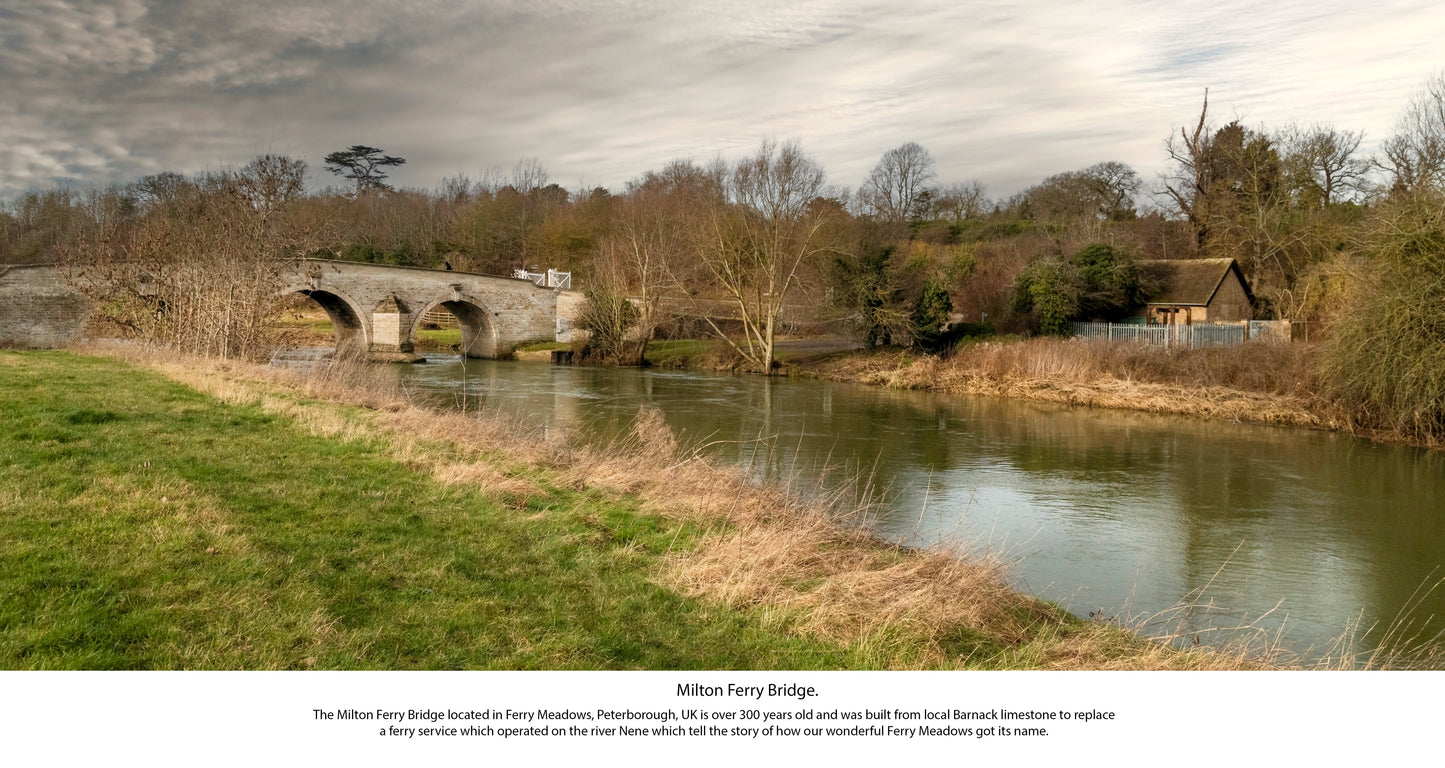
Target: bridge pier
{"points": [[391, 332]]}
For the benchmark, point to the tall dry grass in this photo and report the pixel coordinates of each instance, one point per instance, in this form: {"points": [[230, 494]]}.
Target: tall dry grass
{"points": [[1264, 383], [1275, 369], [785, 550]]}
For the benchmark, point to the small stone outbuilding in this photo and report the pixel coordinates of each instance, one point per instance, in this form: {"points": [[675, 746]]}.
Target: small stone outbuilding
{"points": [[1190, 291]]}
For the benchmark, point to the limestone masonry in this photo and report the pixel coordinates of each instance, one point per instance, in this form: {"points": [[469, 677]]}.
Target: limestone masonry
{"points": [[37, 308], [376, 309]]}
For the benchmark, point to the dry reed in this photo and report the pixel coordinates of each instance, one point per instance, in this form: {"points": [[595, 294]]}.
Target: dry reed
{"points": [[1270, 384]]}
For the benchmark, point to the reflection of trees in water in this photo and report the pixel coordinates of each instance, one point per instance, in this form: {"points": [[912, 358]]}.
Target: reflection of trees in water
{"points": [[1282, 511]]}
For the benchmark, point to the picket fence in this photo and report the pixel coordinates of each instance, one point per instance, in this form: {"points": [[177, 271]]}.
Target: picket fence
{"points": [[1182, 336]]}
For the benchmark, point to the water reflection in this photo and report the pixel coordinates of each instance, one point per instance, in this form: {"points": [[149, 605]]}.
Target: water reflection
{"points": [[1101, 510]]}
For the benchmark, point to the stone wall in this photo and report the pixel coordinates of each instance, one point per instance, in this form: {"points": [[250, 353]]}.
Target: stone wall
{"points": [[569, 310], [37, 309]]}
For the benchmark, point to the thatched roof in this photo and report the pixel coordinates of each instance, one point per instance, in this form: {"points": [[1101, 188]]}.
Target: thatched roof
{"points": [[1188, 282]]}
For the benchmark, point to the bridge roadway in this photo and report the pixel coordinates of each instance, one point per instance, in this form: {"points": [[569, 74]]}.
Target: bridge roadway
{"points": [[375, 309]]}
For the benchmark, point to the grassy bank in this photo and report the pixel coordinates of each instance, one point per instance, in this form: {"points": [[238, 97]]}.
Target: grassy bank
{"points": [[168, 514]]}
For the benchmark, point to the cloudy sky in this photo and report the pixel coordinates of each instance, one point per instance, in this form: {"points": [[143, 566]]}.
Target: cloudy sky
{"points": [[1003, 92]]}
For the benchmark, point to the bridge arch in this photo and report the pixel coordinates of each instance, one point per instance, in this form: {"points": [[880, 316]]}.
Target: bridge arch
{"points": [[347, 317], [478, 324]]}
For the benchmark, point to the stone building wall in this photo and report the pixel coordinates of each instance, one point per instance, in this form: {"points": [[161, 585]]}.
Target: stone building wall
{"points": [[38, 310]]}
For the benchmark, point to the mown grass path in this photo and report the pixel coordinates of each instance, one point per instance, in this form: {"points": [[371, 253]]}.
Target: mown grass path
{"points": [[146, 525]]}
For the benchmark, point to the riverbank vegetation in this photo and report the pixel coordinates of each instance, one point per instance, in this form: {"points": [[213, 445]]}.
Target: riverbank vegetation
{"points": [[169, 512], [745, 251], [1268, 384]]}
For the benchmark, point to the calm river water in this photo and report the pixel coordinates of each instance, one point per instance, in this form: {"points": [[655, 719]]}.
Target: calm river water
{"points": [[1130, 514]]}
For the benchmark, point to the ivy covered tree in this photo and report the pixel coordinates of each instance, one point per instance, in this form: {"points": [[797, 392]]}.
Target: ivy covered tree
{"points": [[930, 315], [903, 295], [1049, 290], [1112, 286], [870, 291], [1095, 283], [1384, 358]]}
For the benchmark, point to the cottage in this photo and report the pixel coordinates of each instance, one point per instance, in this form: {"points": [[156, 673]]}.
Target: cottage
{"points": [[1189, 291]]}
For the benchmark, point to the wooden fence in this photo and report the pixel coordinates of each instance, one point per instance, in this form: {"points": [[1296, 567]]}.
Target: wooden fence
{"points": [[1183, 336], [440, 317]]}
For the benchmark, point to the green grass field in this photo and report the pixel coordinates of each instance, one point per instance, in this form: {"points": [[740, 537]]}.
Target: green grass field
{"points": [[145, 525]]}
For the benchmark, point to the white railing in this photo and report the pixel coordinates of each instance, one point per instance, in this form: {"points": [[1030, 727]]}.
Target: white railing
{"points": [[552, 278], [1183, 336]]}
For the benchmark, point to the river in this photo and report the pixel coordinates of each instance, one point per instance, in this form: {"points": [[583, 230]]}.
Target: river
{"points": [[1296, 534]]}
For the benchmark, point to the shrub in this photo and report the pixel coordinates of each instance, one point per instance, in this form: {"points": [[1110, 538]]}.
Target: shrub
{"points": [[1094, 283], [609, 320], [1385, 351]]}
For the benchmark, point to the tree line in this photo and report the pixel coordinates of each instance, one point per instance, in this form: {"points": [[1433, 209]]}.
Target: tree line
{"points": [[742, 250]]}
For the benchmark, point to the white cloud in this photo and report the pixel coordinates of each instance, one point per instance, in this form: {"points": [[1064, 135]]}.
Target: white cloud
{"points": [[1005, 92]]}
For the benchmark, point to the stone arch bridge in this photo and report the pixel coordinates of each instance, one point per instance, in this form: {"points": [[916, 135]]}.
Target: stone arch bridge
{"points": [[375, 309]]}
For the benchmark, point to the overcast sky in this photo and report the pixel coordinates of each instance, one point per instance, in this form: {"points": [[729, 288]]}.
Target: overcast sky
{"points": [[1003, 92]]}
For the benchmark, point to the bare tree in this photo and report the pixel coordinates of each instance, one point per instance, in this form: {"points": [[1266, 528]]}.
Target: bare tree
{"points": [[458, 190], [1101, 191], [1189, 185], [42, 223], [892, 189], [270, 183], [1415, 155], [1114, 185], [1322, 163], [756, 245], [160, 189], [962, 201], [647, 247], [529, 174], [199, 276]]}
